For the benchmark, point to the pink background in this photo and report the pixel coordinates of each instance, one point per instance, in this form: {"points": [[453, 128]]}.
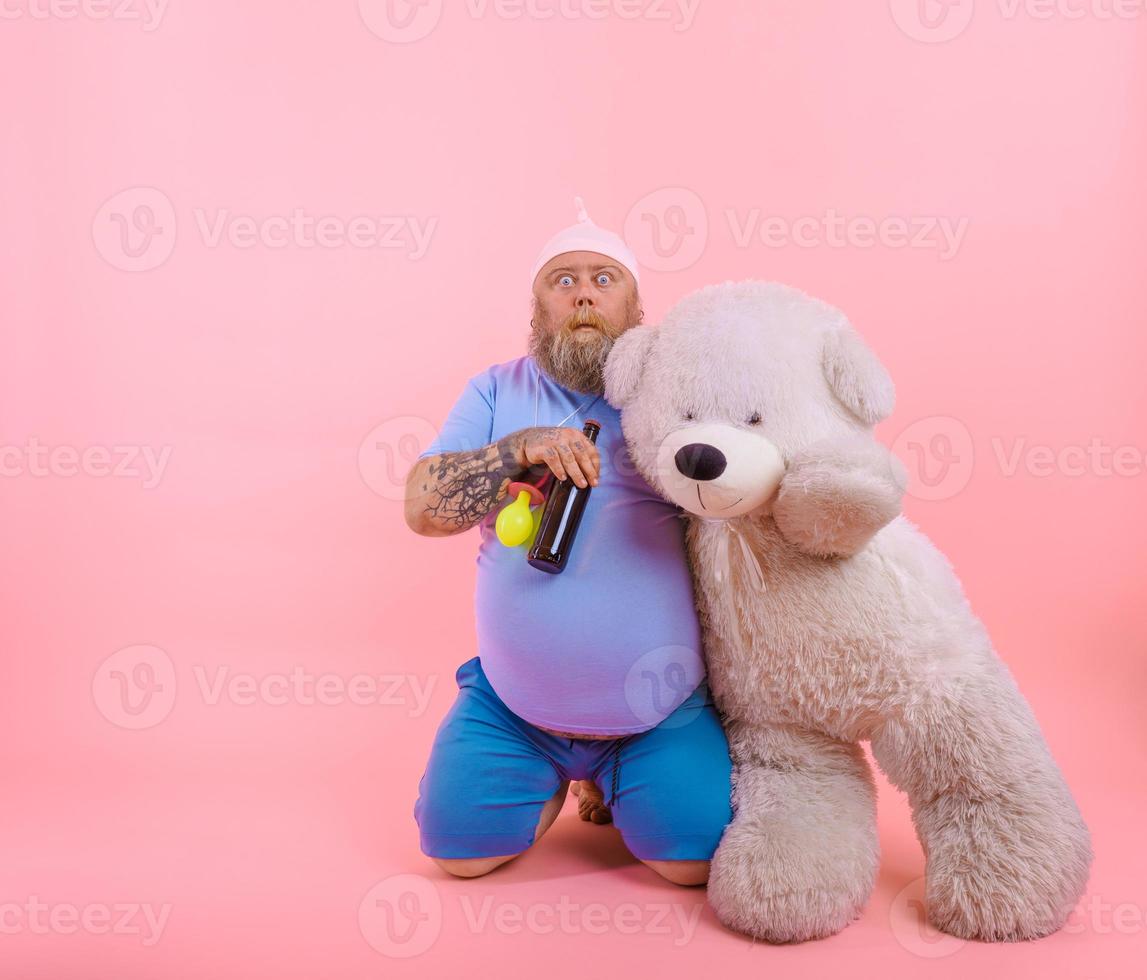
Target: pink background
{"points": [[291, 385]]}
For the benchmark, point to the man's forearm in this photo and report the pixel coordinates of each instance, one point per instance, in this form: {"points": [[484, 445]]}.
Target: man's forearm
{"points": [[451, 492]]}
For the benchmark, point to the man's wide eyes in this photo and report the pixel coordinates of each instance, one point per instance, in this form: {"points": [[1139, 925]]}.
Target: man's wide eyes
{"points": [[602, 279]]}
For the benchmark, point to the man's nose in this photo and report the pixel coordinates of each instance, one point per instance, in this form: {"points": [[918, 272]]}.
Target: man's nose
{"points": [[585, 296]]}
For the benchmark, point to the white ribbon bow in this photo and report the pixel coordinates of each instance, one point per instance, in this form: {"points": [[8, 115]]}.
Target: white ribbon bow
{"points": [[723, 572], [723, 576]]}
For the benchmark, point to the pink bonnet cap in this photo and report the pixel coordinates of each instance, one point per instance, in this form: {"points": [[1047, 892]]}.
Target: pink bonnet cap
{"points": [[585, 236]]}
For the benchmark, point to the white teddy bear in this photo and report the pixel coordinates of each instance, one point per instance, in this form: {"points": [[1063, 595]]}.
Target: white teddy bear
{"points": [[829, 620]]}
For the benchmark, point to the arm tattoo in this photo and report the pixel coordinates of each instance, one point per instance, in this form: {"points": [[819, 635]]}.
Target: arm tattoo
{"points": [[465, 486]]}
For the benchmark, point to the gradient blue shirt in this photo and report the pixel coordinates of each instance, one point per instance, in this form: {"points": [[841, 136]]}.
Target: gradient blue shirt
{"points": [[612, 644]]}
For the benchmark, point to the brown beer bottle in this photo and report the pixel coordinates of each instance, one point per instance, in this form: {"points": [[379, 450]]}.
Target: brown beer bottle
{"points": [[561, 517]]}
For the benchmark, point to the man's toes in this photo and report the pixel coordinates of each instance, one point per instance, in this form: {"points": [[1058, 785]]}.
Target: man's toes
{"points": [[591, 804]]}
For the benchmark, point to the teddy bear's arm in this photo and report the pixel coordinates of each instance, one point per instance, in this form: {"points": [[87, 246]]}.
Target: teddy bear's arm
{"points": [[836, 494]]}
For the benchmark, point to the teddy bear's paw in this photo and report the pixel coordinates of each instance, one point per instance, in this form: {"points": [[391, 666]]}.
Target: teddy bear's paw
{"points": [[1000, 874], [763, 887], [837, 494], [972, 906], [788, 917]]}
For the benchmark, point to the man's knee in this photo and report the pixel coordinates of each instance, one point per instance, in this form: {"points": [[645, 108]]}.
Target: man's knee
{"points": [[476, 867], [472, 867], [681, 872]]}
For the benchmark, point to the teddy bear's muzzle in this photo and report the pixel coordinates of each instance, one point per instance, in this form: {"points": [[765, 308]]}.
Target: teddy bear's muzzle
{"points": [[718, 470]]}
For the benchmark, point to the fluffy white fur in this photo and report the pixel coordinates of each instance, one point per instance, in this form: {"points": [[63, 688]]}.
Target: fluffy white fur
{"points": [[861, 632]]}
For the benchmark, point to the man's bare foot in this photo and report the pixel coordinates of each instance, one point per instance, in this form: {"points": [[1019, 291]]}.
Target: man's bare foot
{"points": [[590, 802]]}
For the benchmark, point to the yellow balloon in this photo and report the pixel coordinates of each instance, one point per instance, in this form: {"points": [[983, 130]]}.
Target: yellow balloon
{"points": [[515, 522]]}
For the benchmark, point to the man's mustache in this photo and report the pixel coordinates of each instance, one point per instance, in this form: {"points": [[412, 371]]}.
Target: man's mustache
{"points": [[587, 317]]}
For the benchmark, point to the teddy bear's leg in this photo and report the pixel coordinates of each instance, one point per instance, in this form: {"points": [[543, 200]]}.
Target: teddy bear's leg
{"points": [[799, 859], [1006, 849]]}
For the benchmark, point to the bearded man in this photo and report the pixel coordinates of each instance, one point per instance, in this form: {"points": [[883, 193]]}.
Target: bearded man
{"points": [[594, 675]]}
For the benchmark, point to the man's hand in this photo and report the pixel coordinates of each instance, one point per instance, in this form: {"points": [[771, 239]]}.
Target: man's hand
{"points": [[567, 452], [451, 492]]}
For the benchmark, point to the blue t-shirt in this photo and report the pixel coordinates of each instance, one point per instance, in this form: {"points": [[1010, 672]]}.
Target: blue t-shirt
{"points": [[611, 645]]}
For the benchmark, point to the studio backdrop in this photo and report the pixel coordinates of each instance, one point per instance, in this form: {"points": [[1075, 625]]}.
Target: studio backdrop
{"points": [[253, 252]]}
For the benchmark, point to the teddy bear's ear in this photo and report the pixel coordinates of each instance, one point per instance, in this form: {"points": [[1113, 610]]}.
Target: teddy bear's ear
{"points": [[855, 376], [625, 364]]}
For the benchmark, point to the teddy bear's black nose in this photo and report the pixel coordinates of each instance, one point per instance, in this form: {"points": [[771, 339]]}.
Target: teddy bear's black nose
{"points": [[700, 461]]}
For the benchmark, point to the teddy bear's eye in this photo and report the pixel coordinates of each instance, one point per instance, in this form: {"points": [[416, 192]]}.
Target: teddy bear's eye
{"points": [[688, 416], [755, 418]]}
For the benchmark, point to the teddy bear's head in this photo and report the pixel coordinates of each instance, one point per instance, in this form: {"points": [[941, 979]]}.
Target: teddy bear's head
{"points": [[737, 379]]}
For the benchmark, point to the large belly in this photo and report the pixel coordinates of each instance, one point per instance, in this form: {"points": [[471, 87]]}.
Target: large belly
{"points": [[612, 644]]}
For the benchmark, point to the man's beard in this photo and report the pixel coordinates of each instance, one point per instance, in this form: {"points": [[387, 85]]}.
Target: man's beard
{"points": [[575, 358]]}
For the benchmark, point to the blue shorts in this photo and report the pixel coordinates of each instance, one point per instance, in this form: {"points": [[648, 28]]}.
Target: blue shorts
{"points": [[490, 773]]}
